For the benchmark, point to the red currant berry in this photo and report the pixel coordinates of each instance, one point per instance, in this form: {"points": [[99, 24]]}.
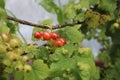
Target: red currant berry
{"points": [[38, 35], [63, 40], [46, 35], [58, 43], [55, 35]]}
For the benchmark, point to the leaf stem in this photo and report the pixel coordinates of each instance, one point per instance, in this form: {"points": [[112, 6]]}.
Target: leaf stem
{"points": [[59, 1], [22, 36]]}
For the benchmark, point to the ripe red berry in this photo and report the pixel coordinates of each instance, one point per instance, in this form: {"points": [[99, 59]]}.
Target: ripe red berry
{"points": [[63, 40], [55, 35], [58, 43], [46, 35], [38, 35]]}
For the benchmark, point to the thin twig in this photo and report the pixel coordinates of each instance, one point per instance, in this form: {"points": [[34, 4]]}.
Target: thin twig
{"points": [[40, 26], [26, 22]]}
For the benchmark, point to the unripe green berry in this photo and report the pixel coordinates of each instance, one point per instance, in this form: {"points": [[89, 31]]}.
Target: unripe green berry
{"points": [[8, 47], [65, 51], [27, 68], [68, 70], [15, 43], [116, 25], [13, 55], [118, 20], [20, 50], [64, 75], [19, 67], [25, 58], [2, 49], [6, 62], [5, 37]]}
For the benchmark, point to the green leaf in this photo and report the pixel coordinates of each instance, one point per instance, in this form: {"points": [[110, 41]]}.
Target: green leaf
{"points": [[2, 3], [3, 28], [40, 69], [47, 22], [85, 61], [79, 66], [74, 11], [72, 34], [60, 16], [71, 1], [12, 26], [51, 7], [57, 69], [108, 6], [84, 3], [4, 76], [92, 19], [42, 53], [25, 76], [31, 49], [113, 34], [104, 56], [19, 75], [80, 17], [31, 76], [8, 70], [70, 11], [70, 48], [64, 52], [92, 33], [94, 2], [3, 14]]}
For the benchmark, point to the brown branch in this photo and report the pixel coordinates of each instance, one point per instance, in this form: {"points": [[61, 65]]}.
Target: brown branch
{"points": [[40, 26], [25, 22]]}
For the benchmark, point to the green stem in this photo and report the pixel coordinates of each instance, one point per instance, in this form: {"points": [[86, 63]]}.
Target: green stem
{"points": [[59, 3], [21, 36], [18, 27]]}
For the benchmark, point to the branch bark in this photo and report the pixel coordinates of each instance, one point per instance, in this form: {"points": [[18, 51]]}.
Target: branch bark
{"points": [[41, 26]]}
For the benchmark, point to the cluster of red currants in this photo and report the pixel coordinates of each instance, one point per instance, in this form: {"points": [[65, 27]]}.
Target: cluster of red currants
{"points": [[58, 42]]}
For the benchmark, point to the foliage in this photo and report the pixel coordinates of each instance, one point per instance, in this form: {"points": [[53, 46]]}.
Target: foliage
{"points": [[101, 20], [39, 72], [98, 19], [50, 6], [68, 33]]}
